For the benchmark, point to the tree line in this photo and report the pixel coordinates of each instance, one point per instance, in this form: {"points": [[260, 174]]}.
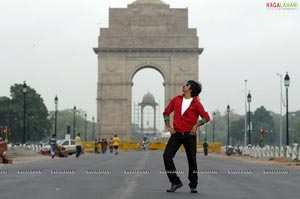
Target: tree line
{"points": [[260, 118], [39, 122]]}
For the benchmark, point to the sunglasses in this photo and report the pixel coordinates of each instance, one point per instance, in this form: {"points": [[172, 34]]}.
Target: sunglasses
{"points": [[186, 84]]}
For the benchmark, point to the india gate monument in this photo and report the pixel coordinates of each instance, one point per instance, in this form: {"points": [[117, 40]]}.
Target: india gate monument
{"points": [[146, 34]]}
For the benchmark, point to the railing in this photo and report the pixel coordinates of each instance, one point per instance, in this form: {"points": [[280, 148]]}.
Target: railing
{"points": [[292, 153]]}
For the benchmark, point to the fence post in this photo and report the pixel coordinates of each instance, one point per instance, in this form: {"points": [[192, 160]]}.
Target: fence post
{"points": [[277, 152], [281, 151], [288, 152], [294, 152]]}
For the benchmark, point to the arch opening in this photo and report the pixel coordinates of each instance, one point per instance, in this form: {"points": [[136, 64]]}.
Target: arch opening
{"points": [[148, 103]]}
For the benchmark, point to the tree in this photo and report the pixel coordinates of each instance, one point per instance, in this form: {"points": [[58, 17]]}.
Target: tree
{"points": [[12, 115], [297, 131], [7, 114], [263, 119], [65, 118], [221, 125], [237, 132]]}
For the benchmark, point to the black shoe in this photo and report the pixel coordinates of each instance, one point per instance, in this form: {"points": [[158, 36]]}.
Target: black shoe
{"points": [[174, 187], [194, 190]]}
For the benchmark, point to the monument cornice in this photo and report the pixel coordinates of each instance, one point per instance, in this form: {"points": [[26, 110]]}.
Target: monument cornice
{"points": [[151, 50]]}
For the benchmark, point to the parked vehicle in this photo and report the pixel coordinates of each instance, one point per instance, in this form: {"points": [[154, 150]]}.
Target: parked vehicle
{"points": [[68, 144], [229, 150]]}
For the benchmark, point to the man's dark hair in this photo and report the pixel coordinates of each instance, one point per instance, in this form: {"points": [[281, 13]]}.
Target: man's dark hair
{"points": [[195, 87]]}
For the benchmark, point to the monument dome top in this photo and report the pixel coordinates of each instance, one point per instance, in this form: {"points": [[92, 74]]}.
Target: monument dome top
{"points": [[148, 2], [148, 99]]}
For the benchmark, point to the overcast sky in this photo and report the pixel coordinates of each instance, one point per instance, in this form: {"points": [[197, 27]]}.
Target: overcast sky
{"points": [[49, 44]]}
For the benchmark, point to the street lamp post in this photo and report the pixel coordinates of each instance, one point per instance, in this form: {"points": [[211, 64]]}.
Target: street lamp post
{"points": [[205, 132], [24, 116], [85, 115], [228, 111], [93, 127], [55, 121], [287, 84], [245, 127], [280, 130], [74, 122], [214, 118], [249, 97], [294, 128]]}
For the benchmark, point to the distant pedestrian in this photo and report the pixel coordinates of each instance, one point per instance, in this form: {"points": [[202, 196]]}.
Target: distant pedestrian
{"points": [[205, 147], [116, 141], [111, 145], [96, 145], [52, 143], [78, 145], [105, 145], [99, 145], [102, 145], [144, 143]]}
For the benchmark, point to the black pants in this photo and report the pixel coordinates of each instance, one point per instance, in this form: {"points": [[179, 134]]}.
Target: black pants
{"points": [[205, 151], [189, 143], [78, 151]]}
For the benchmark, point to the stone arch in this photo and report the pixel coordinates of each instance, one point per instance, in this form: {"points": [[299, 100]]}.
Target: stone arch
{"points": [[146, 34], [152, 66]]}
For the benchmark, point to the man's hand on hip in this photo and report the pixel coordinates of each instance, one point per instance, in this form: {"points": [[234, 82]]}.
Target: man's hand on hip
{"points": [[171, 130]]}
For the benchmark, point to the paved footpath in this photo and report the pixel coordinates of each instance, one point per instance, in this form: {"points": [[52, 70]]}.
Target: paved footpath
{"points": [[140, 175]]}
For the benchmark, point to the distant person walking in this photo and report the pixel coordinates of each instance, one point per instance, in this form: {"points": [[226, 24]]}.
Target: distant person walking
{"points": [[103, 146], [116, 142], [96, 145], [186, 108], [106, 145], [205, 147], [78, 145], [52, 143], [111, 145]]}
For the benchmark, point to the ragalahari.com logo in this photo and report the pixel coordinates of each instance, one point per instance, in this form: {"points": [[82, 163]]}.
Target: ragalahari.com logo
{"points": [[282, 5]]}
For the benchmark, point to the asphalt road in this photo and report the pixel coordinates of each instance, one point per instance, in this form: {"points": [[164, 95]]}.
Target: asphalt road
{"points": [[140, 175]]}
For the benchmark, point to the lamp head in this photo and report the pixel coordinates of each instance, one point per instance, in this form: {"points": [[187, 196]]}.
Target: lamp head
{"points": [[228, 108], [249, 97], [214, 114], [24, 87], [287, 80], [56, 100]]}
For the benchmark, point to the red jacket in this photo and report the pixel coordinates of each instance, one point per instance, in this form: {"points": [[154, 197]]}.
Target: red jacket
{"points": [[185, 122]]}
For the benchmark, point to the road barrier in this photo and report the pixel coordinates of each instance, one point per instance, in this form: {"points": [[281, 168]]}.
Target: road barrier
{"points": [[88, 146], [157, 146], [126, 146], [161, 146]]}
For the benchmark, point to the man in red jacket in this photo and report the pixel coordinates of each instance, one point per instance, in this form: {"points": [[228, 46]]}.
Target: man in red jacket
{"points": [[187, 108]]}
